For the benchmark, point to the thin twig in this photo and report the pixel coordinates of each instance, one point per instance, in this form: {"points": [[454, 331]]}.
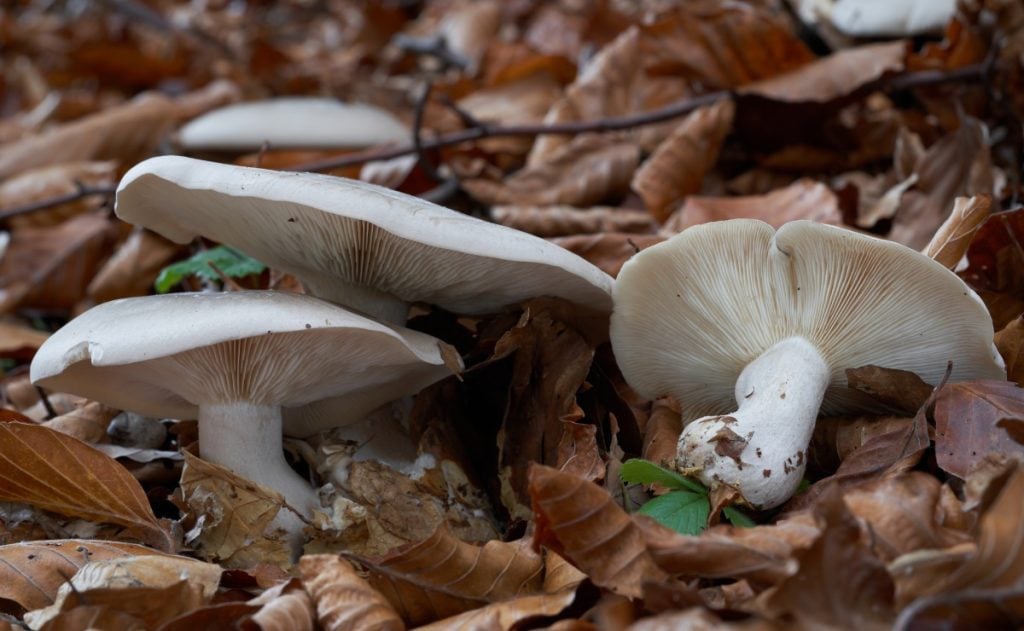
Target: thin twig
{"points": [[81, 193], [50, 412], [679, 108], [417, 130], [435, 46]]}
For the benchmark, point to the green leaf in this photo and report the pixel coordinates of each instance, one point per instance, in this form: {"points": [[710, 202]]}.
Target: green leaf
{"points": [[682, 511], [639, 471], [232, 262], [736, 517]]}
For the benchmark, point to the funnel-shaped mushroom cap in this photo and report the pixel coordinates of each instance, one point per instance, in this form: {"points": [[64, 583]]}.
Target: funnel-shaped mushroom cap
{"points": [[292, 123], [360, 245], [168, 355], [692, 312]]}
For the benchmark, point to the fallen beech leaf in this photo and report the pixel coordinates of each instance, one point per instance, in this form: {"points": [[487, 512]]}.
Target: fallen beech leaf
{"points": [[803, 199], [578, 453], [661, 434], [152, 605], [285, 607], [344, 600], [967, 609], [967, 415], [60, 262], [231, 516], [45, 468], [835, 438], [128, 133], [841, 584], [677, 167], [518, 102], [51, 182], [94, 617], [953, 237], [996, 265], [508, 614], [442, 576], [905, 514], [587, 170], [87, 423], [608, 250], [1010, 342], [558, 221], [18, 340], [32, 572], [899, 389], [221, 616], [579, 520], [133, 267]]}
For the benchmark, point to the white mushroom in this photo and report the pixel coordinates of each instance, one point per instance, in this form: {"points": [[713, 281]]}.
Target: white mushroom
{"points": [[356, 244], [233, 361], [292, 123], [734, 314]]}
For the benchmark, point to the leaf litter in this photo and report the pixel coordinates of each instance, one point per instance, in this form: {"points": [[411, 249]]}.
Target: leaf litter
{"points": [[530, 505]]}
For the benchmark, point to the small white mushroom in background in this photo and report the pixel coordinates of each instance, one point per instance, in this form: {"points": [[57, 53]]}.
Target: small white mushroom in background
{"points": [[235, 361], [129, 429], [292, 123], [878, 18], [751, 330], [359, 245]]}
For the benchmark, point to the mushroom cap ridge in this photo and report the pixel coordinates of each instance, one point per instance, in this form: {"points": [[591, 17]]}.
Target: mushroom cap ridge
{"points": [[693, 311], [329, 231], [165, 355]]}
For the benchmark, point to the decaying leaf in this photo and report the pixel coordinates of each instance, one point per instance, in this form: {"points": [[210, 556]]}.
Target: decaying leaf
{"points": [[899, 389], [55, 181], [344, 600], [133, 267], [581, 521], [18, 340], [803, 199], [152, 605], [53, 471], [87, 423], [1010, 342], [284, 607], [558, 221], [507, 614], [967, 417], [996, 265], [608, 250], [677, 167], [662, 432], [953, 237], [578, 453]]}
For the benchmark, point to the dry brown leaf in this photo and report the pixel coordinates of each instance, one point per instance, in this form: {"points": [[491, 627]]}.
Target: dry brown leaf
{"points": [[522, 101], [152, 605], [581, 522], [835, 438], [841, 584], [967, 418], [898, 389], [32, 572], [578, 453], [996, 266], [442, 576], [55, 472], [19, 341], [677, 167], [558, 221], [51, 267], [1010, 342], [661, 434], [608, 250], [87, 423], [285, 607], [507, 614], [344, 600], [51, 182], [953, 237], [803, 199], [968, 609], [94, 617], [586, 171], [133, 267], [231, 516], [127, 133]]}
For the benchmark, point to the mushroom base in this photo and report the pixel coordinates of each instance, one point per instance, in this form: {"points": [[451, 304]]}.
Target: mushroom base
{"points": [[761, 449], [246, 438]]}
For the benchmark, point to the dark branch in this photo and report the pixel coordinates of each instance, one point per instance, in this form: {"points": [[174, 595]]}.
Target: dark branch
{"points": [[50, 202]]}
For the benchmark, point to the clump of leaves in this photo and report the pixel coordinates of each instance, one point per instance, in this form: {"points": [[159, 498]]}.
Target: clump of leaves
{"points": [[685, 508], [231, 262]]}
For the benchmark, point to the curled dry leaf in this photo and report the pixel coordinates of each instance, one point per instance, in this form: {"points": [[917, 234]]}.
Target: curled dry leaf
{"points": [[661, 434], [285, 607], [586, 171], [558, 221], [133, 267], [803, 199], [47, 469], [953, 237], [442, 576], [578, 453], [128, 133], [967, 418], [88, 423], [608, 250], [517, 102], [152, 605], [835, 438], [995, 262], [1010, 342], [968, 609], [61, 260], [231, 516], [898, 389], [32, 572], [507, 614], [581, 522], [19, 341], [93, 617], [677, 167], [54, 181], [343, 599]]}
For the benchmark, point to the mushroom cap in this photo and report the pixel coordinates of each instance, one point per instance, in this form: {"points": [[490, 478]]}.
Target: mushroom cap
{"points": [[293, 123], [336, 234], [693, 311], [166, 355]]}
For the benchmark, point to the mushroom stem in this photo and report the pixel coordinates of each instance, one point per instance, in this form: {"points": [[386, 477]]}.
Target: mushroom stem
{"points": [[246, 438], [760, 450]]}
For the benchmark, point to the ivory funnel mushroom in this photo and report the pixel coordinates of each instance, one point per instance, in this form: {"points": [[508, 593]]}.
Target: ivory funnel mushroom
{"points": [[751, 330], [234, 361], [359, 245]]}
